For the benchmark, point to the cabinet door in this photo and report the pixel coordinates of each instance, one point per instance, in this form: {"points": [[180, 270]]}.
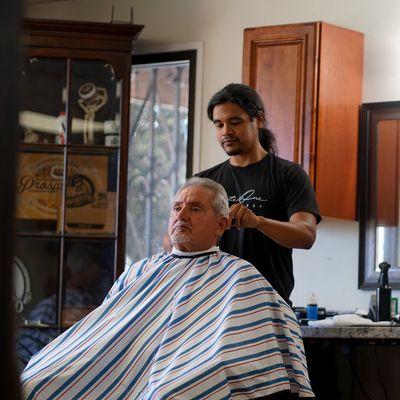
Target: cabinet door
{"points": [[66, 209], [280, 63], [310, 79], [339, 98], [71, 180]]}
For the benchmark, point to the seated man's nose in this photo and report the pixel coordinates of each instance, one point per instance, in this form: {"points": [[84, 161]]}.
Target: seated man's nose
{"points": [[182, 212], [228, 130]]}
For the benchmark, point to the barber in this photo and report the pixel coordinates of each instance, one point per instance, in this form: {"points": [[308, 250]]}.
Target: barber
{"points": [[272, 203]]}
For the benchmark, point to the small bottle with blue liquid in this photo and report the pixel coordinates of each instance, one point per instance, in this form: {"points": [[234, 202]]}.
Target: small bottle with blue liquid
{"points": [[312, 308]]}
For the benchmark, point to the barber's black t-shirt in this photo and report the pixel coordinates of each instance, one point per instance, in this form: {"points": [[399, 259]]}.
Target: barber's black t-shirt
{"points": [[273, 188]]}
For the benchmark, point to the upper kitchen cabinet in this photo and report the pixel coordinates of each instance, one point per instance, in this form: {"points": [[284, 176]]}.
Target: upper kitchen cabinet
{"points": [[310, 79]]}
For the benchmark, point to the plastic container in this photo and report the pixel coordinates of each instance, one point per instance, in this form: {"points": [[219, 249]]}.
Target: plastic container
{"points": [[312, 308]]}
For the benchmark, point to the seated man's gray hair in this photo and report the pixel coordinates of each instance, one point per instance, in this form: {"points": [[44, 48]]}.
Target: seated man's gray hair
{"points": [[220, 202]]}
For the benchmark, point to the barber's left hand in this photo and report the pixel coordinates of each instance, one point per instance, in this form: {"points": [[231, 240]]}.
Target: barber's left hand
{"points": [[242, 217]]}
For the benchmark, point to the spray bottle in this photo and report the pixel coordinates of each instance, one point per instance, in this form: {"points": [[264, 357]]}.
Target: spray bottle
{"points": [[383, 294]]}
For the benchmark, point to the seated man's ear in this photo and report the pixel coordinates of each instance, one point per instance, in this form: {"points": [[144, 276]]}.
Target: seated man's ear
{"points": [[223, 224]]}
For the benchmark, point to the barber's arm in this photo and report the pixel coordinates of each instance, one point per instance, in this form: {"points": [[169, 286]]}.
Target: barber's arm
{"points": [[299, 232]]}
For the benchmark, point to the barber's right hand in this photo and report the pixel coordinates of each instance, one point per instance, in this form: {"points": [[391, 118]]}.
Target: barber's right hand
{"points": [[242, 217]]}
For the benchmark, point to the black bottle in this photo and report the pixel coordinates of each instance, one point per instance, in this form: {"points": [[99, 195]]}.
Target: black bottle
{"points": [[383, 294]]}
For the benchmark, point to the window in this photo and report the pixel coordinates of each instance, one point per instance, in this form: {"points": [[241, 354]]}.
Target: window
{"points": [[160, 145]]}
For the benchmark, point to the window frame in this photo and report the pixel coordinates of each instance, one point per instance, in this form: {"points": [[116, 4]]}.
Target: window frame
{"points": [[171, 56]]}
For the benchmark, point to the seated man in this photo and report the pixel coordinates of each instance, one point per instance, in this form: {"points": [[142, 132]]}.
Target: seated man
{"points": [[195, 323]]}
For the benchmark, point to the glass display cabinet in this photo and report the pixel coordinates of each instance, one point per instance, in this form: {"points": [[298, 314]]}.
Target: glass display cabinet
{"points": [[71, 180]]}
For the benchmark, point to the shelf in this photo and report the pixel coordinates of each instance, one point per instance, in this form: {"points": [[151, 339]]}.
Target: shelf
{"points": [[51, 147], [66, 235]]}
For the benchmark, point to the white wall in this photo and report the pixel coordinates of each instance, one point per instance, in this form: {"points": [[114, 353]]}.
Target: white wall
{"points": [[330, 268]]}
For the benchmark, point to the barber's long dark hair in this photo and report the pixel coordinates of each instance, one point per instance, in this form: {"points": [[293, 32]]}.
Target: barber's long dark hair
{"points": [[250, 101]]}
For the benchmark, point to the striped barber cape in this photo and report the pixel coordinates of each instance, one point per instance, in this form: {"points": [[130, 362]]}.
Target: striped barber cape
{"points": [[207, 326]]}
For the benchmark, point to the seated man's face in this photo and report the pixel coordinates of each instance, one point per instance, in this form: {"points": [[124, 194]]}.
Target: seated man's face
{"points": [[193, 223]]}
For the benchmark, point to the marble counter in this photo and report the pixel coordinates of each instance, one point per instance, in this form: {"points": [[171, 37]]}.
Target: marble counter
{"points": [[352, 332]]}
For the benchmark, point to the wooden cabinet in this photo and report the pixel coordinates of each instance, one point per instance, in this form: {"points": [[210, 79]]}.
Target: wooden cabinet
{"points": [[71, 180], [310, 79]]}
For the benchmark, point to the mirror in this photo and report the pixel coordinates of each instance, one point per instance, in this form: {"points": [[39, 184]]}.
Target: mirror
{"points": [[379, 192]]}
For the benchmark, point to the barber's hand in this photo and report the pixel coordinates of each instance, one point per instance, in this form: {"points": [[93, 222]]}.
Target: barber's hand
{"points": [[242, 217]]}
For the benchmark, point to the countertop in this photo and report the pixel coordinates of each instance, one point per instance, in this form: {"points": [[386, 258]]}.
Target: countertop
{"points": [[352, 332]]}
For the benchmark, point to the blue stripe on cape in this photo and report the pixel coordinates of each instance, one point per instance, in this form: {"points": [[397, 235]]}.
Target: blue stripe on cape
{"points": [[207, 327]]}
